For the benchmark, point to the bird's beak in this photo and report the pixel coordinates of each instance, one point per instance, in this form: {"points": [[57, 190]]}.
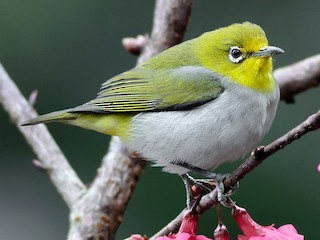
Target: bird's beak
{"points": [[268, 51]]}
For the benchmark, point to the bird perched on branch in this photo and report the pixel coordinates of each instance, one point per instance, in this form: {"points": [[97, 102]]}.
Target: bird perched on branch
{"points": [[196, 105]]}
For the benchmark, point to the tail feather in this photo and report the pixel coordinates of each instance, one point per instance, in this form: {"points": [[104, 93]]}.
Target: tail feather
{"points": [[58, 116], [111, 124]]}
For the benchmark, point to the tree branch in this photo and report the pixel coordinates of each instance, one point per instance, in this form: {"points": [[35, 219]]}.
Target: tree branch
{"points": [[50, 156], [257, 157], [261, 153], [169, 25], [292, 80], [107, 198], [97, 212], [111, 190], [172, 226], [298, 77]]}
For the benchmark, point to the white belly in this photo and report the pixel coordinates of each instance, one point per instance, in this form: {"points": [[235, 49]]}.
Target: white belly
{"points": [[206, 136]]}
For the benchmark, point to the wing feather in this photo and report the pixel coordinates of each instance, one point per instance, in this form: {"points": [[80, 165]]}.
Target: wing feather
{"points": [[141, 89]]}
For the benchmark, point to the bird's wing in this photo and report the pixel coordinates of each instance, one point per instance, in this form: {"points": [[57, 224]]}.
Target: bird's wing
{"points": [[141, 89]]}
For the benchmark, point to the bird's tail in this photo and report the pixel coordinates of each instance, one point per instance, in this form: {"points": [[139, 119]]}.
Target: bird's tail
{"points": [[58, 116], [111, 124]]}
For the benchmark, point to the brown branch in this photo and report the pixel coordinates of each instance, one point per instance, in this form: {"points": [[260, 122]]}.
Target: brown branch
{"points": [[107, 198], [298, 77], [169, 24], [257, 157], [135, 45], [261, 153], [49, 154], [172, 226], [114, 184], [97, 212], [292, 80]]}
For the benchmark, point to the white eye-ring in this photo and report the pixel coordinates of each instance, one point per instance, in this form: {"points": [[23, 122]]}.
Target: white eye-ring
{"points": [[235, 54]]}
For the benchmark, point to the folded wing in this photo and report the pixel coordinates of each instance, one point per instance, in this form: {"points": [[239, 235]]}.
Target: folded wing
{"points": [[141, 89]]}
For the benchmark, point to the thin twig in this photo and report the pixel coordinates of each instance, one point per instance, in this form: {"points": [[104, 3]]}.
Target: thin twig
{"points": [[256, 158], [172, 226], [49, 154], [292, 80], [298, 77], [261, 153], [135, 45]]}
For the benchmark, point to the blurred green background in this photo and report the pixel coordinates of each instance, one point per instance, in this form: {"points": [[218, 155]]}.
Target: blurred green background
{"points": [[66, 49]]}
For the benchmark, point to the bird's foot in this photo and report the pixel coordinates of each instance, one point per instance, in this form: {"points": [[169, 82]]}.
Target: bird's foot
{"points": [[195, 188], [223, 197], [212, 181], [217, 182]]}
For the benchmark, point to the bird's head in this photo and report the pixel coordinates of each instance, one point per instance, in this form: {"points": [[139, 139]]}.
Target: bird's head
{"points": [[241, 53]]}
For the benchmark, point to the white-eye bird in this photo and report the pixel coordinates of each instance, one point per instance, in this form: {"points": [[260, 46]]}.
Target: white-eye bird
{"points": [[196, 105]]}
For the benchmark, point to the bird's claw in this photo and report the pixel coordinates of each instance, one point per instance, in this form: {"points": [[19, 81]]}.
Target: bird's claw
{"points": [[196, 188], [222, 196], [199, 187]]}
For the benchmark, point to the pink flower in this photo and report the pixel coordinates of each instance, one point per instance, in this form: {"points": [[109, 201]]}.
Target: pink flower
{"points": [[187, 230], [319, 167], [221, 233], [136, 237], [253, 231]]}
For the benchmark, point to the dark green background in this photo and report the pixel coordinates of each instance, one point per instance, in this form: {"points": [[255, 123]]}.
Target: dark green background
{"points": [[66, 49]]}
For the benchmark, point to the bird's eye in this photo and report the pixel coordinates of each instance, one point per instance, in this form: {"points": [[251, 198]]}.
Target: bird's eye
{"points": [[235, 54]]}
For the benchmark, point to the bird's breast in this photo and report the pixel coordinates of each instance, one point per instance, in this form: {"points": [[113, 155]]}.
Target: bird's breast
{"points": [[219, 131]]}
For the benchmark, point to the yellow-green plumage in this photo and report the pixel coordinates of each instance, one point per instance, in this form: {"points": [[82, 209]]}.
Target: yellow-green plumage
{"points": [[250, 38], [143, 89], [182, 78], [153, 86], [110, 124]]}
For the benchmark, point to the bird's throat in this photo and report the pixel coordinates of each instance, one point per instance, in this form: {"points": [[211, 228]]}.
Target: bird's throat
{"points": [[255, 73]]}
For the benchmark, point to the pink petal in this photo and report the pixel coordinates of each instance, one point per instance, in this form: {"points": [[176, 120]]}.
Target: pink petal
{"points": [[169, 237], [187, 229], [164, 238], [242, 237], [254, 231], [202, 237], [136, 237], [247, 225], [221, 233], [185, 236], [189, 223], [288, 228], [286, 232], [319, 167]]}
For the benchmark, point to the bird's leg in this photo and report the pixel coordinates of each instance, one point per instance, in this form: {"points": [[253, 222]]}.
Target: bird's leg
{"points": [[207, 174], [188, 183], [218, 178], [223, 196]]}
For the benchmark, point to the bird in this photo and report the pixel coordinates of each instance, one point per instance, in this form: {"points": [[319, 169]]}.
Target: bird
{"points": [[196, 105]]}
